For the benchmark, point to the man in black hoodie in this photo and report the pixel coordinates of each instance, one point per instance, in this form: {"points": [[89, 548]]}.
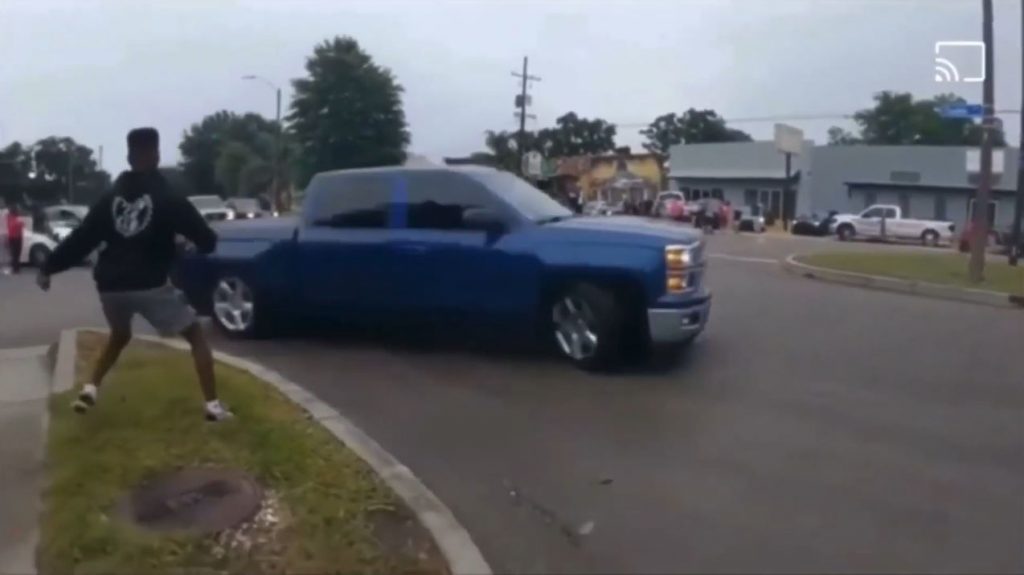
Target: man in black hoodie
{"points": [[137, 223]]}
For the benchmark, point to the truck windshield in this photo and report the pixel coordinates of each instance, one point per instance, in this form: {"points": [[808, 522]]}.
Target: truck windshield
{"points": [[528, 200]]}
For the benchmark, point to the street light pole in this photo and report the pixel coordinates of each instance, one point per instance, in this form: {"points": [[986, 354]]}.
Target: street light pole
{"points": [[275, 161], [976, 266], [1018, 208]]}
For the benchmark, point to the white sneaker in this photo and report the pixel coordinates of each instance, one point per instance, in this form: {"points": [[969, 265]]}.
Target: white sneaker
{"points": [[86, 399], [218, 413]]}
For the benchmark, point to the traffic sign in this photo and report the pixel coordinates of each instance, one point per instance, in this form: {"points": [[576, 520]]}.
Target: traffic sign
{"points": [[962, 111]]}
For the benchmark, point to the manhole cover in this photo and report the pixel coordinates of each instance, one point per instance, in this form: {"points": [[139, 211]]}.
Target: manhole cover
{"points": [[197, 500]]}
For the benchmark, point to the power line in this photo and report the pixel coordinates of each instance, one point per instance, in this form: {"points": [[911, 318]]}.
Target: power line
{"points": [[787, 118]]}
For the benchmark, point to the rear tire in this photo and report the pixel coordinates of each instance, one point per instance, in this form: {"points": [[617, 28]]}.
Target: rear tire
{"points": [[38, 255], [587, 325], [845, 232]]}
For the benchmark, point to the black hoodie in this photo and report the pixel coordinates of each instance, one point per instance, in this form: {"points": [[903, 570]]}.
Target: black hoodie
{"points": [[137, 222]]}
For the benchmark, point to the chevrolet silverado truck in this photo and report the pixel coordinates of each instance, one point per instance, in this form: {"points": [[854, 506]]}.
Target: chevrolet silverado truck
{"points": [[886, 222], [467, 248]]}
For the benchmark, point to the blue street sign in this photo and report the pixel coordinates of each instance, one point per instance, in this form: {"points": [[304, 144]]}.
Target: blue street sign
{"points": [[962, 111]]}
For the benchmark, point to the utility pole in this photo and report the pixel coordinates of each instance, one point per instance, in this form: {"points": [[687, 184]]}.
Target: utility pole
{"points": [[71, 166], [1018, 208], [976, 266], [522, 101], [276, 163]]}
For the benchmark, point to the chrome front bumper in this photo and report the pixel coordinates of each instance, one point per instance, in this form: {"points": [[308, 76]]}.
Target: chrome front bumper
{"points": [[676, 325]]}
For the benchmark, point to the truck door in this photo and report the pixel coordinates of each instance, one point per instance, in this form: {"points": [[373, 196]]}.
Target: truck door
{"points": [[869, 222], [343, 262], [452, 272]]}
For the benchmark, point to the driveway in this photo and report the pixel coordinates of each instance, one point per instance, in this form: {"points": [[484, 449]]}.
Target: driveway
{"points": [[813, 428]]}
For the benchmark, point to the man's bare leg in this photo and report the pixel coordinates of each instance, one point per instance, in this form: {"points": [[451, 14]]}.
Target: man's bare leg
{"points": [[116, 343], [202, 357]]}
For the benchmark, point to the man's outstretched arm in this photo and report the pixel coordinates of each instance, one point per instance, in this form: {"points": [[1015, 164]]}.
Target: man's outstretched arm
{"points": [[78, 245]]}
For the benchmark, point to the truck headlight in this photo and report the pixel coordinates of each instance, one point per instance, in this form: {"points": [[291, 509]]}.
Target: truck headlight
{"points": [[231, 215], [677, 257]]}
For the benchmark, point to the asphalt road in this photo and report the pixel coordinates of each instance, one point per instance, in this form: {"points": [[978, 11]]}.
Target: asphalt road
{"points": [[813, 428]]}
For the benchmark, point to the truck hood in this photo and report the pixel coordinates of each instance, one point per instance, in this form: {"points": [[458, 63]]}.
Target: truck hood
{"points": [[624, 229]]}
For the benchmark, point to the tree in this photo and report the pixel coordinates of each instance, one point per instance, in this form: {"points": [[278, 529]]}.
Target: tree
{"points": [[692, 127], [203, 144], [898, 119], [840, 137], [347, 113], [504, 147], [41, 172], [575, 136]]}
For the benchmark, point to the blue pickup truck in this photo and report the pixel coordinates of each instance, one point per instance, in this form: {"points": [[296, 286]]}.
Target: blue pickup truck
{"points": [[464, 248]]}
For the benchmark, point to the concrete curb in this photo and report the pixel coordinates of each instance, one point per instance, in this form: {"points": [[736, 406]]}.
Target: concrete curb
{"points": [[938, 291], [463, 556]]}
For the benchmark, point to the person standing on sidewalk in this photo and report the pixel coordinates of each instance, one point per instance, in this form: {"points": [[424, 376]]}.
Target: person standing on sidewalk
{"points": [[138, 221], [15, 237]]}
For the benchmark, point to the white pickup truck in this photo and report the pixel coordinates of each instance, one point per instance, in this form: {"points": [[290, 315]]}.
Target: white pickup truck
{"points": [[882, 221]]}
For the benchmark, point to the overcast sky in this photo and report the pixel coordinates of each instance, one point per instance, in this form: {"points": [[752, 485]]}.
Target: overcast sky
{"points": [[92, 69]]}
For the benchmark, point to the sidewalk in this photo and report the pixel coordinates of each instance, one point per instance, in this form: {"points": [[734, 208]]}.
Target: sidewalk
{"points": [[23, 401]]}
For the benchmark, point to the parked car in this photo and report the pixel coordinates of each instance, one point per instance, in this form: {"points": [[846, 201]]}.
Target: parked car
{"points": [[35, 247], [869, 225], [997, 237], [668, 204], [247, 208], [466, 246], [62, 219], [212, 208], [813, 225], [601, 208], [751, 219]]}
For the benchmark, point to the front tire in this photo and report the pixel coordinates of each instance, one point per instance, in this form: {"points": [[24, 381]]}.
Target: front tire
{"points": [[845, 232], [235, 308], [38, 255], [588, 323]]}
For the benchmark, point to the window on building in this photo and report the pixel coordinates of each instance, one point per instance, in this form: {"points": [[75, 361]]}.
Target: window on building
{"points": [[685, 191], [905, 204], [940, 207], [717, 194], [749, 197], [904, 177], [870, 198], [992, 206]]}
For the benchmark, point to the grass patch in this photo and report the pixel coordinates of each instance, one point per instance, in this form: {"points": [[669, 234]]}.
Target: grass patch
{"points": [[334, 515], [947, 268]]}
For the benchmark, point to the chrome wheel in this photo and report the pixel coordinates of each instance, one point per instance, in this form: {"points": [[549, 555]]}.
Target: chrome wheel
{"points": [[575, 328], [233, 305]]}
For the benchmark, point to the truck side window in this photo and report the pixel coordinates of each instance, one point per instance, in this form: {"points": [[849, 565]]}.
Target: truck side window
{"points": [[353, 202], [873, 213], [436, 201], [890, 213]]}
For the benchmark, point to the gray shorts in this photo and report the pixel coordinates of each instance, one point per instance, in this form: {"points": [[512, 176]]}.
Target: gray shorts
{"points": [[164, 308]]}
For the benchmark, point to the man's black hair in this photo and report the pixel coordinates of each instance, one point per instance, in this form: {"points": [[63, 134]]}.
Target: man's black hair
{"points": [[143, 139]]}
